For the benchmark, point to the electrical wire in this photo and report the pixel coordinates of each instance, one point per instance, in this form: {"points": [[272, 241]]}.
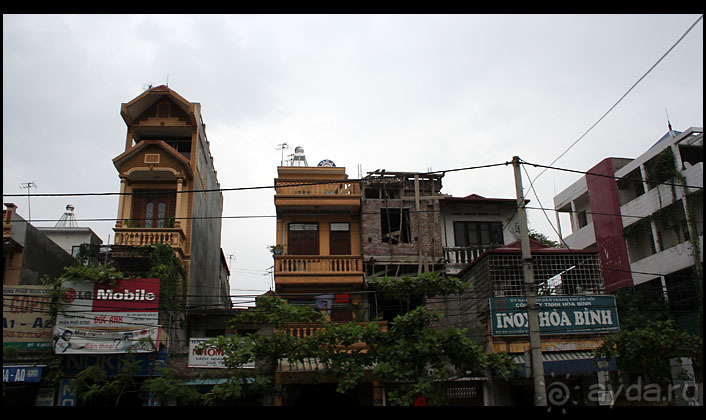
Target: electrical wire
{"points": [[624, 95]]}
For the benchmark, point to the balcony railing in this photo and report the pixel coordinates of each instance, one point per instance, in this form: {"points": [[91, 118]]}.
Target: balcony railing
{"points": [[462, 255], [306, 330], [320, 264], [150, 236], [311, 189]]}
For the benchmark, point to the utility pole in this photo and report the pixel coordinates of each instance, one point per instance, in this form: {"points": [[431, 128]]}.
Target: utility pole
{"points": [[540, 392]]}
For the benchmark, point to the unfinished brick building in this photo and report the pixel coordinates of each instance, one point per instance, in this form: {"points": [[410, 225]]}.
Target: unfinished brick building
{"points": [[400, 223]]}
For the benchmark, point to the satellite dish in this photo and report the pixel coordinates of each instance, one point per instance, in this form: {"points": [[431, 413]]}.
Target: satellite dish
{"points": [[326, 163]]}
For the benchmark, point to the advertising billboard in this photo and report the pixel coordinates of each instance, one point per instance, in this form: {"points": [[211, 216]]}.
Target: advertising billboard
{"points": [[25, 317], [120, 318], [574, 314]]}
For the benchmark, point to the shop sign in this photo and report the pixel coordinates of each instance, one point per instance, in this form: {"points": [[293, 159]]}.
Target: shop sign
{"points": [[575, 314], [26, 324], [207, 356], [111, 364], [128, 303], [12, 374], [92, 341]]}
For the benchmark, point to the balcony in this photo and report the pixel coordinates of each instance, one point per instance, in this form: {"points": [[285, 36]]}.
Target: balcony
{"points": [[457, 257], [128, 236], [301, 330], [323, 265], [298, 194], [656, 198]]}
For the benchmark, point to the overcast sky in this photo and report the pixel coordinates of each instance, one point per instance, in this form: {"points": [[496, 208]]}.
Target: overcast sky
{"points": [[399, 92]]}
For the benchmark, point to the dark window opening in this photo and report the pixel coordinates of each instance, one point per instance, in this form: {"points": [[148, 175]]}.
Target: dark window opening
{"points": [[395, 225], [478, 234]]}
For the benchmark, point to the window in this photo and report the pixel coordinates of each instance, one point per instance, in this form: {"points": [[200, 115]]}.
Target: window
{"points": [[583, 219], [340, 239], [303, 239], [153, 209], [478, 234], [395, 225]]}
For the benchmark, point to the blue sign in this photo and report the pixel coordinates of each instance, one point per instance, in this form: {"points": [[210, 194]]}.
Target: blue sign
{"points": [[111, 364], [21, 373], [576, 314]]}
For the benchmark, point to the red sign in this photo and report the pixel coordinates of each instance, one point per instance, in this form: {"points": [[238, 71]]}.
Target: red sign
{"points": [[127, 295]]}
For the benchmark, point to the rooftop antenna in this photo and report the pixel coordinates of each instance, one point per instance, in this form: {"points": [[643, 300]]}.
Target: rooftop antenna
{"points": [[167, 79], [282, 147], [669, 124], [28, 185]]}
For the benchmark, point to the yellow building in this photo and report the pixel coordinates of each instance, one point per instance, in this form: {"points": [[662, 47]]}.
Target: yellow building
{"points": [[170, 191], [318, 233]]}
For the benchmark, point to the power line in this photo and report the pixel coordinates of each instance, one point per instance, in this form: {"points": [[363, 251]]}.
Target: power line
{"points": [[147, 192], [624, 95]]}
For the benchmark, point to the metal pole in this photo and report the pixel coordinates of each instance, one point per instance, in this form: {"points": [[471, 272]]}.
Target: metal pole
{"points": [[540, 393]]}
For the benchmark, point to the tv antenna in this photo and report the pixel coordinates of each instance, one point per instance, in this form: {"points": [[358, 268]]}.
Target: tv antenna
{"points": [[669, 124], [282, 147], [29, 186]]}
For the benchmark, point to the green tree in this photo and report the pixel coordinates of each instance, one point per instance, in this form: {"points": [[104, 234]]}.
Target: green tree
{"points": [[169, 387], [263, 350], [93, 385], [645, 351], [412, 290], [411, 354]]}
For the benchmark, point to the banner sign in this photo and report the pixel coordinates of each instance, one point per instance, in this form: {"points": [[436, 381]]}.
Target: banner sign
{"points": [[92, 341], [130, 303], [575, 314], [112, 363], [208, 357], [25, 317], [22, 373]]}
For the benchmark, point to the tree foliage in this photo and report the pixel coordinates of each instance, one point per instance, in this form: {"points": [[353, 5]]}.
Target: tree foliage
{"points": [[411, 353], [645, 351]]}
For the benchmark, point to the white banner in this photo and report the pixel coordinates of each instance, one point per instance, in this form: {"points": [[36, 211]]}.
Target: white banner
{"points": [[208, 357], [92, 341]]}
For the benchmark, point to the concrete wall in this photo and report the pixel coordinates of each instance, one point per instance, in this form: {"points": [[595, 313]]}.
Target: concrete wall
{"points": [[40, 257], [204, 279]]}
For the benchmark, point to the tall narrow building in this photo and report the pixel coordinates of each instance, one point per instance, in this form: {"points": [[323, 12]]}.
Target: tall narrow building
{"points": [[318, 233], [170, 191]]}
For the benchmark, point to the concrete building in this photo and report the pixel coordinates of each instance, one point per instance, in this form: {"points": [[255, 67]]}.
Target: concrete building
{"points": [[318, 262], [28, 253], [645, 217], [574, 316], [318, 225], [474, 224], [69, 235], [400, 223], [171, 190], [28, 256]]}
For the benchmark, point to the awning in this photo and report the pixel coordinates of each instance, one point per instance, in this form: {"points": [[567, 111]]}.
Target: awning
{"points": [[568, 362]]}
